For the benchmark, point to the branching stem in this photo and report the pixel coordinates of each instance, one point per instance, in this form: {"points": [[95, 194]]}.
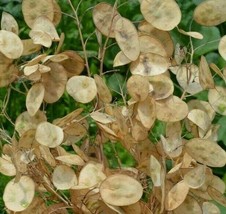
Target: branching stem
{"points": [[81, 37], [103, 50]]}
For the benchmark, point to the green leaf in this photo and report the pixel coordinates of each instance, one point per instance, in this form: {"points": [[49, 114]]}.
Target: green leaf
{"points": [[212, 57], [4, 180], [222, 208], [222, 129], [116, 154], [116, 83], [209, 42], [157, 130], [197, 2], [203, 95]]}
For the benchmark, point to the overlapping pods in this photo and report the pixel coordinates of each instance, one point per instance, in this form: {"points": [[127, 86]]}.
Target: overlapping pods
{"points": [[18, 196], [164, 15], [150, 88], [210, 12], [48, 8]]}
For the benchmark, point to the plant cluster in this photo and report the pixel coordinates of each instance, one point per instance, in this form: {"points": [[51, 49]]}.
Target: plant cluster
{"points": [[59, 167]]}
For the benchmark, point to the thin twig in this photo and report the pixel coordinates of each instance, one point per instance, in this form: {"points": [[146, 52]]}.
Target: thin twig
{"points": [[62, 37], [163, 187], [59, 208], [71, 16], [50, 189], [89, 38], [5, 104], [191, 44], [17, 90], [81, 37], [77, 8], [106, 41], [6, 100], [216, 40]]}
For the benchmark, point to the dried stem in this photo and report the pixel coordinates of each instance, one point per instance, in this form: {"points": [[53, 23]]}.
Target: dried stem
{"points": [[191, 44], [62, 37], [103, 50], [163, 186], [5, 103], [81, 37]]}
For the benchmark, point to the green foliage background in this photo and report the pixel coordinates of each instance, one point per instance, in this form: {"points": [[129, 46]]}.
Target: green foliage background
{"points": [[131, 10]]}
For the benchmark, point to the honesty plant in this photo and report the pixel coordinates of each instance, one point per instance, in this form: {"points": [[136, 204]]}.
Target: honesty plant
{"points": [[59, 166]]}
